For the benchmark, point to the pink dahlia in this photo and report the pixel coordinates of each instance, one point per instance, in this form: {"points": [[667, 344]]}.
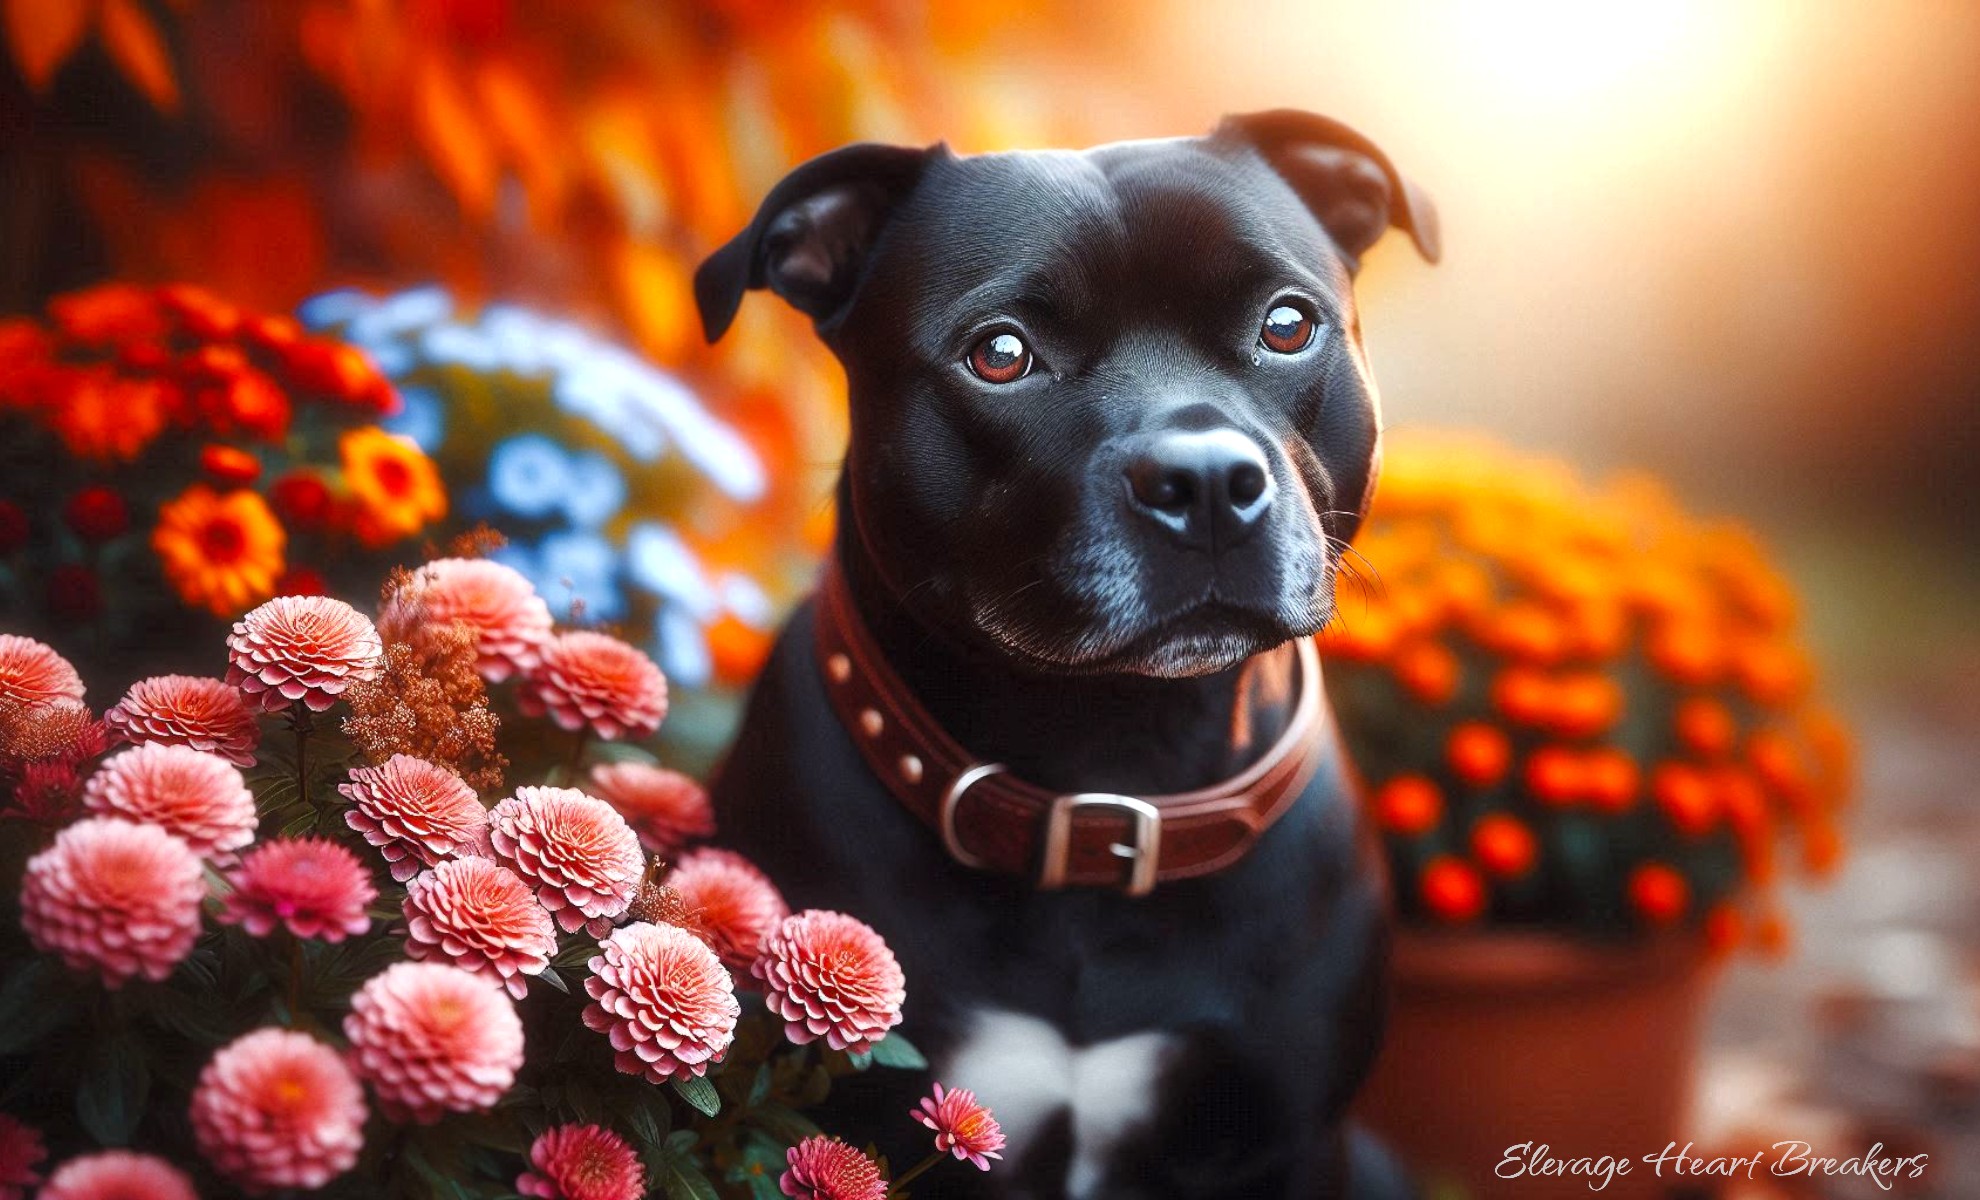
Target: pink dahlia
{"points": [[301, 650], [666, 808], [825, 1168], [32, 674], [510, 621], [962, 1126], [313, 887], [479, 915], [596, 680], [732, 903], [582, 1162], [433, 1039], [830, 975], [576, 851], [186, 710], [117, 1175], [662, 997], [415, 812], [199, 797], [278, 1109], [114, 897], [21, 1151]]}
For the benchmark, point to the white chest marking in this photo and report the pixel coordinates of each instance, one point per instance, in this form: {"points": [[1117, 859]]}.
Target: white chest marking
{"points": [[1025, 1072]]}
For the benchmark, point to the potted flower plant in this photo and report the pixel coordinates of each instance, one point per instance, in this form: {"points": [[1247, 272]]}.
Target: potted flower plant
{"points": [[1586, 730]]}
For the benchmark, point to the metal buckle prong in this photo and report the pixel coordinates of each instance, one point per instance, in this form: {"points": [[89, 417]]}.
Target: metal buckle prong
{"points": [[1145, 851], [951, 797]]}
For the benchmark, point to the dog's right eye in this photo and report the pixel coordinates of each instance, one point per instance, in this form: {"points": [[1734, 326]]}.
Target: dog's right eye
{"points": [[1001, 358]]}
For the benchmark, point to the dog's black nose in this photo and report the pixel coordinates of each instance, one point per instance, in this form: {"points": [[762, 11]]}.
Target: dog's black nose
{"points": [[1209, 486]]}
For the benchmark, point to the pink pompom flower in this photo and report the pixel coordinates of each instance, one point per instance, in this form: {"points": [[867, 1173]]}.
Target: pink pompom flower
{"points": [[830, 975], [666, 808], [510, 621], [662, 997], [732, 904], [114, 897], [32, 674], [196, 796], [415, 812], [21, 1151], [117, 1175], [963, 1127], [479, 915], [313, 887], [582, 1162], [575, 850], [187, 710], [587, 679], [278, 1109], [825, 1168], [301, 650], [432, 1039]]}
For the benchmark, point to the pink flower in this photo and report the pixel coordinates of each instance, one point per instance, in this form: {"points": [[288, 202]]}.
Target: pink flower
{"points": [[415, 812], [594, 679], [661, 996], [186, 710], [301, 650], [510, 621], [198, 797], [117, 1175], [433, 1039], [277, 1109], [962, 1126], [114, 897], [829, 975], [582, 1162], [733, 904], [576, 851], [478, 915], [21, 1151], [666, 808], [825, 1168], [32, 674], [313, 887]]}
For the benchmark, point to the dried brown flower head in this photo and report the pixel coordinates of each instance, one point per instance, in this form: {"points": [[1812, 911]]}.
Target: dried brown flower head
{"points": [[428, 701]]}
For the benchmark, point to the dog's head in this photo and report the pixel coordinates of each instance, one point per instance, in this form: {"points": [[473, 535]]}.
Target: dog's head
{"points": [[1110, 411]]}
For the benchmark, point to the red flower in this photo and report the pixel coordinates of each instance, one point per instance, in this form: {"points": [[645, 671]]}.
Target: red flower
{"points": [[733, 905], [277, 1109], [582, 1162], [825, 1168], [301, 581], [303, 499], [666, 808], [312, 887], [118, 1175], [301, 650], [185, 710], [97, 513], [32, 674], [580, 855], [111, 312], [415, 812], [962, 1126], [114, 897], [189, 793], [21, 1151], [433, 1039], [199, 312], [229, 465], [830, 975], [339, 372], [661, 996], [478, 915], [596, 680]]}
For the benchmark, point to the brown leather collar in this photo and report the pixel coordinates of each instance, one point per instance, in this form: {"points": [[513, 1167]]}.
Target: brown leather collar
{"points": [[993, 821]]}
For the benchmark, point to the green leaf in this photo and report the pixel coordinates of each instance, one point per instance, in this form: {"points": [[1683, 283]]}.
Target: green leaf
{"points": [[682, 1179], [110, 1097], [700, 1094], [682, 1141], [896, 1051], [549, 975], [617, 752], [784, 1123], [759, 1088], [860, 1059]]}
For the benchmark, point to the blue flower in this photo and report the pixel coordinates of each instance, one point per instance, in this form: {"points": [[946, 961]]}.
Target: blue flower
{"points": [[594, 492], [334, 308], [682, 648], [582, 567], [529, 474], [660, 562], [423, 418]]}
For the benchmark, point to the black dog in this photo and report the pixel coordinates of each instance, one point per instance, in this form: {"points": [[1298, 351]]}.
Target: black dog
{"points": [[1111, 425]]}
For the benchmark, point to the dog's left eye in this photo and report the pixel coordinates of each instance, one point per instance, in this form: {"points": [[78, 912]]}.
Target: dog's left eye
{"points": [[1001, 358], [1286, 330]]}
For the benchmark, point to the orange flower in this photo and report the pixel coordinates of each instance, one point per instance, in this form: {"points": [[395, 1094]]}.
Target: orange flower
{"points": [[103, 416], [1503, 845], [1478, 753], [222, 553], [397, 487], [1408, 805], [1659, 893]]}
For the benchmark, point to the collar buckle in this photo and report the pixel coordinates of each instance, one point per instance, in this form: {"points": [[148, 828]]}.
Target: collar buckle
{"points": [[1143, 850]]}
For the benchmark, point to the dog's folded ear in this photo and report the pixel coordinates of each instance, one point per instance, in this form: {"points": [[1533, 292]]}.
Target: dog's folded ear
{"points": [[1350, 185], [809, 240]]}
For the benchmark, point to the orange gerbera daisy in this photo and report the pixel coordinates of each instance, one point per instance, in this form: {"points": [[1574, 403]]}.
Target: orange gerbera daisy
{"points": [[397, 487], [222, 552]]}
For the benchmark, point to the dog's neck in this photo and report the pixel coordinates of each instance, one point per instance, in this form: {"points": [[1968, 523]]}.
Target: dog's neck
{"points": [[1116, 733]]}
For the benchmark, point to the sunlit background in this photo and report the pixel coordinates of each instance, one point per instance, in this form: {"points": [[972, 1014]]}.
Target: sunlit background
{"points": [[1735, 243]]}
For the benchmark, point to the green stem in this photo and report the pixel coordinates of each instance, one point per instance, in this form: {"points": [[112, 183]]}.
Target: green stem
{"points": [[578, 744], [295, 978], [914, 1173], [300, 722]]}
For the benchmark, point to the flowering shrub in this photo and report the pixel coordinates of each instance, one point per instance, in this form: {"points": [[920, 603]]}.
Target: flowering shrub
{"points": [[284, 942], [202, 459], [1577, 707]]}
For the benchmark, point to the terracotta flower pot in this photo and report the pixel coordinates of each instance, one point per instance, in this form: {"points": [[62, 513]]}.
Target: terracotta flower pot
{"points": [[1501, 1038]]}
